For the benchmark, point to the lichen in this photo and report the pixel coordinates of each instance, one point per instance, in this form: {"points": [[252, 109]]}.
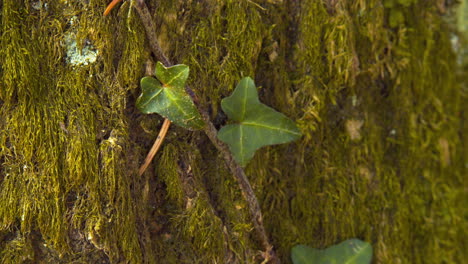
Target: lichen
{"points": [[77, 57]]}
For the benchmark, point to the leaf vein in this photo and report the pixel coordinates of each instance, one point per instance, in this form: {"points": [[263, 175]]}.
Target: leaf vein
{"points": [[175, 77], [272, 128], [151, 98]]}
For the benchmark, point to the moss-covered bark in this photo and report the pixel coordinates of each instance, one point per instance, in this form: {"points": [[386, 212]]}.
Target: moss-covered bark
{"points": [[375, 86]]}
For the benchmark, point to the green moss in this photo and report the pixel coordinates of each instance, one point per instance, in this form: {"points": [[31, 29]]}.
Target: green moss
{"points": [[54, 117], [18, 250], [222, 48], [203, 226]]}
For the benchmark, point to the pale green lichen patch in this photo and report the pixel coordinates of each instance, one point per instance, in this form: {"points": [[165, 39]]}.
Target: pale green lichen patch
{"points": [[38, 5], [76, 56]]}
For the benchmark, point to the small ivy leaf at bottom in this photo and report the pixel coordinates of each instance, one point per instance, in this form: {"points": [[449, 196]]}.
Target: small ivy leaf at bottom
{"points": [[351, 251], [257, 125]]}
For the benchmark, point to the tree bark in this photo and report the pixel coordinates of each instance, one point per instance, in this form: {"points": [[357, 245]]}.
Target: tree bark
{"points": [[376, 88]]}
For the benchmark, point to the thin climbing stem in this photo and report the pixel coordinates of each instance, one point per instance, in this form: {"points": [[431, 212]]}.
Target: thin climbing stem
{"points": [[210, 130], [157, 143]]}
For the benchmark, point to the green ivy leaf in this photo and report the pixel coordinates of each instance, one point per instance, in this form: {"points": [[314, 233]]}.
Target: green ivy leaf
{"points": [[256, 125], [352, 251], [167, 97]]}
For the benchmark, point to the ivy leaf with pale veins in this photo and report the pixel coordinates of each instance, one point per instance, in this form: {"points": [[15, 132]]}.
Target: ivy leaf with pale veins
{"points": [[255, 124], [351, 251], [166, 96]]}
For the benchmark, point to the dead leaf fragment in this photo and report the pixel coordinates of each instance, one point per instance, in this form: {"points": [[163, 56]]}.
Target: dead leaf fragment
{"points": [[353, 128]]}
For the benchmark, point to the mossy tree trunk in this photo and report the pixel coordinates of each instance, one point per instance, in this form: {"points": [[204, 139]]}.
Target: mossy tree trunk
{"points": [[375, 87]]}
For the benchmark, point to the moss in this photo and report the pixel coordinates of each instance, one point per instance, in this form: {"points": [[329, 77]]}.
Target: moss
{"points": [[55, 117], [205, 227], [225, 45], [71, 141], [18, 250]]}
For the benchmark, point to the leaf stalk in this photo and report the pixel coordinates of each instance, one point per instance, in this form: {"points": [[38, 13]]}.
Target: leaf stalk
{"points": [[156, 146]]}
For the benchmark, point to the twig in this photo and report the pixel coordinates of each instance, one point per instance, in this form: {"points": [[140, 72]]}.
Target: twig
{"points": [[211, 132], [156, 145]]}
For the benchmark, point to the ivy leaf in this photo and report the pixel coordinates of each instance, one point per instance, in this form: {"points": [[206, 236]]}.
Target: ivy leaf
{"points": [[352, 251], [256, 125], [167, 97]]}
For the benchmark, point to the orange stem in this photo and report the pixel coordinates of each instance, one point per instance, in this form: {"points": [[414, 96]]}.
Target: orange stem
{"points": [[110, 6], [156, 145]]}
